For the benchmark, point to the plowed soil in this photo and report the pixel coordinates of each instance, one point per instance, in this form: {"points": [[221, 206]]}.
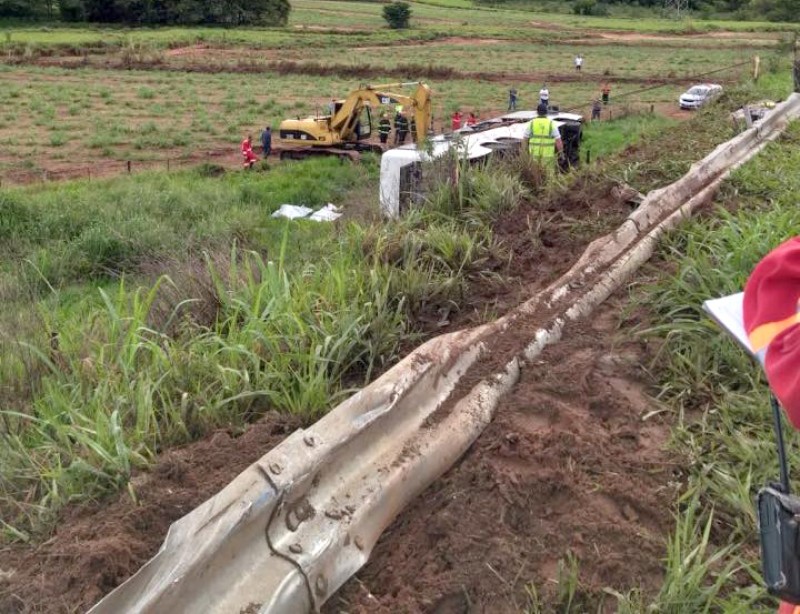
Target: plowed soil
{"points": [[96, 547], [574, 465]]}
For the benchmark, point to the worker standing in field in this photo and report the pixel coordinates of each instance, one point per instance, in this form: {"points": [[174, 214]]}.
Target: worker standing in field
{"points": [[512, 99], [543, 139], [266, 141], [384, 129], [247, 152], [401, 125], [578, 62], [596, 108], [605, 90], [544, 96], [332, 107]]}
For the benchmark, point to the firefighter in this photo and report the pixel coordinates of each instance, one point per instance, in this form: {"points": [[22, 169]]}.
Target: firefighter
{"points": [[384, 129], [247, 152], [401, 125], [472, 119], [455, 121], [412, 128], [543, 139]]}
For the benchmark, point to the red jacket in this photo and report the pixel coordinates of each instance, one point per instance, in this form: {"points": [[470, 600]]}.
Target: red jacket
{"points": [[456, 121], [247, 148]]}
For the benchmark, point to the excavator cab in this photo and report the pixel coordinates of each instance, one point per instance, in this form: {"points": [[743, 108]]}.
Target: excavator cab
{"points": [[364, 126]]}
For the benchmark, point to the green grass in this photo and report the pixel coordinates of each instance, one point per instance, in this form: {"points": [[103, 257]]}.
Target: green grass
{"points": [[725, 428], [607, 137], [179, 305]]}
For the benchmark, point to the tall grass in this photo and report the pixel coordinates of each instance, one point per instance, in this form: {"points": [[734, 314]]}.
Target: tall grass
{"points": [[245, 315], [725, 429]]}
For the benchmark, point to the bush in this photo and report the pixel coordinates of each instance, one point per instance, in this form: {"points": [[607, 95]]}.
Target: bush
{"points": [[397, 15], [188, 12], [590, 7]]}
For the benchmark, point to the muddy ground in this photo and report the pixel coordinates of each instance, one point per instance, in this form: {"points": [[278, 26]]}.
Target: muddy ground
{"points": [[574, 465], [94, 548]]}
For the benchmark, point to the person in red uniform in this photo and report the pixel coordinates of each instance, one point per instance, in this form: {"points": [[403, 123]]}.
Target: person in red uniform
{"points": [[247, 152], [455, 121], [772, 321], [472, 119]]}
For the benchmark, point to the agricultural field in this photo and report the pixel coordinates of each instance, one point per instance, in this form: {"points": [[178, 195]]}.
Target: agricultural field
{"points": [[189, 96], [161, 330]]}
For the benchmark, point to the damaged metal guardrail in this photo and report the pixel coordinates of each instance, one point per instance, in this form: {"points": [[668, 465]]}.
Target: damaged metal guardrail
{"points": [[293, 527]]}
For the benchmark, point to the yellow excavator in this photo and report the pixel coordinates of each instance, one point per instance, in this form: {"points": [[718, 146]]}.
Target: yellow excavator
{"points": [[346, 131]]}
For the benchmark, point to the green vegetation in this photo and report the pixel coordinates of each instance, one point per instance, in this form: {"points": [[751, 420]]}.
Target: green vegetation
{"points": [[140, 313], [725, 427], [397, 15], [606, 137]]}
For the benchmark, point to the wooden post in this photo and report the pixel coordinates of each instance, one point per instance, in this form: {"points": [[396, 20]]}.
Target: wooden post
{"points": [[756, 66], [652, 109], [129, 167], [167, 164], [588, 156]]}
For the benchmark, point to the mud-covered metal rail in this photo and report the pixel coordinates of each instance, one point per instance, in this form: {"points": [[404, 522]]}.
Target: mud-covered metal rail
{"points": [[293, 527]]}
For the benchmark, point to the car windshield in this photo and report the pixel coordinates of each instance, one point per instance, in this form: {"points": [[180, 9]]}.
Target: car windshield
{"points": [[698, 91]]}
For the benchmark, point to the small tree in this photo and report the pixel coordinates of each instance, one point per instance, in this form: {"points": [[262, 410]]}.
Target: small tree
{"points": [[397, 15]]}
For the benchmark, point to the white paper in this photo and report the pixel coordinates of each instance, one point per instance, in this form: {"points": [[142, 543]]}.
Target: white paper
{"points": [[728, 311]]}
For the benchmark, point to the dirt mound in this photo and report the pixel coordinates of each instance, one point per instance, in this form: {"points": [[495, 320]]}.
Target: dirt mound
{"points": [[542, 239], [96, 547], [569, 467]]}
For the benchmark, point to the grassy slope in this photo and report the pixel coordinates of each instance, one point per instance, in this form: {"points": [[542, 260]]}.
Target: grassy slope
{"points": [[168, 326], [726, 429]]}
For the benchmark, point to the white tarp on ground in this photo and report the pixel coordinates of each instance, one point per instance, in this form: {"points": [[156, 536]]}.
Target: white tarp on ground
{"points": [[328, 213], [471, 144]]}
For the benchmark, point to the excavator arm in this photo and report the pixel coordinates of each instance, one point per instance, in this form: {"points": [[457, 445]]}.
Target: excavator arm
{"points": [[345, 120], [340, 132]]}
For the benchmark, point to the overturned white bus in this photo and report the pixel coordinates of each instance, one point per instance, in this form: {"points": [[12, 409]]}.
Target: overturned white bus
{"points": [[401, 168]]}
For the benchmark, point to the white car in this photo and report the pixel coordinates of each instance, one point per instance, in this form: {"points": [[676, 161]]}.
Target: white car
{"points": [[698, 95]]}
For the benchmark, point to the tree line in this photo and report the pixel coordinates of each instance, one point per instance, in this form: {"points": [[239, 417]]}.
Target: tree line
{"points": [[153, 12], [773, 10]]}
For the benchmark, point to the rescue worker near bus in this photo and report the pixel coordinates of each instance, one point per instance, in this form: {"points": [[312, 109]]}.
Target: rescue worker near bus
{"points": [[412, 128], [472, 119], [401, 128], [455, 121], [544, 96], [384, 129], [543, 139], [247, 152]]}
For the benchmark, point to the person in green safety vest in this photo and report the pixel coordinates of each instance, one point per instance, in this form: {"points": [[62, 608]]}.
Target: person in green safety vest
{"points": [[543, 138]]}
